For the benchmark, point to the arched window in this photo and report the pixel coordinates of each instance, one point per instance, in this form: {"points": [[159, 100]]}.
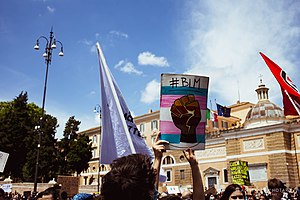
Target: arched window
{"points": [[154, 125], [168, 160], [102, 168], [95, 139], [142, 128]]}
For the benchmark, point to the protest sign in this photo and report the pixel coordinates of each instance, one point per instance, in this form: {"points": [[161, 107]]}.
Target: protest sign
{"points": [[69, 184], [239, 172], [3, 159], [7, 187], [183, 105], [173, 189]]}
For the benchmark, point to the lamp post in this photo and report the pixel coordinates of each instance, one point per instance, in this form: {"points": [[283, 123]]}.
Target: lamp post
{"points": [[97, 110], [50, 45]]}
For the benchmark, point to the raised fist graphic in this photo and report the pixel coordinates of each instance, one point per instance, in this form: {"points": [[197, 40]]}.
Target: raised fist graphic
{"points": [[186, 115]]}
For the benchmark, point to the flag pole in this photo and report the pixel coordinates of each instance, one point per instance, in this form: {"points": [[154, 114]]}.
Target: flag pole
{"points": [[103, 61], [292, 102]]}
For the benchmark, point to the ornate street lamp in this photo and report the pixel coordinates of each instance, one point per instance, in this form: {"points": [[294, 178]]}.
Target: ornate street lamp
{"points": [[97, 110], [50, 45]]}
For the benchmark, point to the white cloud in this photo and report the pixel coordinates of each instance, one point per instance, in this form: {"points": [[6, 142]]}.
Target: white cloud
{"points": [[119, 34], [93, 49], [120, 63], [224, 42], [50, 9], [147, 58], [151, 92], [127, 67], [86, 42], [92, 93], [91, 45]]}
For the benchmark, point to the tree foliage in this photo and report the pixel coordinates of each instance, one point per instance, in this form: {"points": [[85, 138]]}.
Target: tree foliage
{"points": [[75, 149], [21, 123]]}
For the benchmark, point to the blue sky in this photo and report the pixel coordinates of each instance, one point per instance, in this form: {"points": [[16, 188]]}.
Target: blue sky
{"points": [[140, 40]]}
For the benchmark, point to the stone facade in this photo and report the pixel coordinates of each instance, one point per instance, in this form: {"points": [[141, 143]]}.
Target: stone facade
{"points": [[270, 145]]}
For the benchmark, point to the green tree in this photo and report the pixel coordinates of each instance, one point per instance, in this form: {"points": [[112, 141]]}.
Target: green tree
{"points": [[15, 126], [48, 161], [75, 150], [19, 138], [80, 154]]}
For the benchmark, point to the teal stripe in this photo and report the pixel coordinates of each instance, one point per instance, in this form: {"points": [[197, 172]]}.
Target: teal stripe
{"points": [[167, 90], [172, 138], [175, 138], [200, 138]]}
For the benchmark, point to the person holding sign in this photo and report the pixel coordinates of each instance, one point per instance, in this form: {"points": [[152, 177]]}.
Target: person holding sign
{"points": [[183, 105], [159, 148]]}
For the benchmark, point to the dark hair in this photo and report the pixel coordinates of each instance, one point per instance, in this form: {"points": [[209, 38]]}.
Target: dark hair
{"points": [[64, 195], [2, 193], [39, 195], [52, 191], [130, 178], [171, 197], [275, 183], [229, 190]]}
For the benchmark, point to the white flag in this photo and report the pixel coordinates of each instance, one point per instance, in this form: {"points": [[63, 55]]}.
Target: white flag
{"points": [[119, 134]]}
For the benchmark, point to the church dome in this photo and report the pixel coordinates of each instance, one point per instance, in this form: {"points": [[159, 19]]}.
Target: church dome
{"points": [[264, 112]]}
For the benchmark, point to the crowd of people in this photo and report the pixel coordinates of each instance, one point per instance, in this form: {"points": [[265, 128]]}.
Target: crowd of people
{"points": [[135, 177]]}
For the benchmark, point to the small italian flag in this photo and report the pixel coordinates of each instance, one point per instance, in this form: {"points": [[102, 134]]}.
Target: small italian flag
{"points": [[211, 115]]}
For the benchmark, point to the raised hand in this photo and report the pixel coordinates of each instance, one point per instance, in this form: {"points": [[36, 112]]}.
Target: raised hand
{"points": [[189, 154], [186, 116], [159, 146]]}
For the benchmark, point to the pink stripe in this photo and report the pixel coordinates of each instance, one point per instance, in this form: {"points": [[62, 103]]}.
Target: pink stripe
{"points": [[169, 127], [168, 100]]}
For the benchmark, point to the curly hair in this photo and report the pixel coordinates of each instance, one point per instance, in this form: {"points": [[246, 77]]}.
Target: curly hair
{"points": [[130, 178]]}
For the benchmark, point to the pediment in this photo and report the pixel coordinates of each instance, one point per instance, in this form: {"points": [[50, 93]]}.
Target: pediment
{"points": [[211, 171]]}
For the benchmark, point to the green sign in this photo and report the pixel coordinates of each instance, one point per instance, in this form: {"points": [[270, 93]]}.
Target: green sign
{"points": [[239, 172]]}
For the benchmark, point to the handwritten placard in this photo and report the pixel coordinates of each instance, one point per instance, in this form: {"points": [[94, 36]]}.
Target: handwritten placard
{"points": [[183, 105], [239, 172], [3, 160]]}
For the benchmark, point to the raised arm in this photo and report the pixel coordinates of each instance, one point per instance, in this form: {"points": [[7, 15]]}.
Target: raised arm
{"points": [[198, 190], [158, 149]]}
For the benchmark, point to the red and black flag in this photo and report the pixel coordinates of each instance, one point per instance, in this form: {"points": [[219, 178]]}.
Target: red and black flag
{"points": [[290, 93]]}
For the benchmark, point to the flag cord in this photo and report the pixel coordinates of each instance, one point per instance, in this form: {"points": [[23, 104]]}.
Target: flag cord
{"points": [[292, 102]]}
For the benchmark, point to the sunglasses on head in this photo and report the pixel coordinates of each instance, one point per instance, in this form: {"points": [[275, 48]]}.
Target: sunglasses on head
{"points": [[238, 196]]}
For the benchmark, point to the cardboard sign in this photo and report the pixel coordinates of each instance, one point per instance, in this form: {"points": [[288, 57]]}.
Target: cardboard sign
{"points": [[3, 159], [69, 184], [6, 187], [239, 172], [173, 189], [183, 105]]}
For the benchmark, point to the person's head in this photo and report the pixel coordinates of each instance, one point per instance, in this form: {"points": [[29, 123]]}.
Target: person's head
{"points": [[130, 178], [2, 194], [187, 194], [276, 187], [50, 194], [233, 191], [171, 197], [64, 195], [262, 197], [39, 196]]}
